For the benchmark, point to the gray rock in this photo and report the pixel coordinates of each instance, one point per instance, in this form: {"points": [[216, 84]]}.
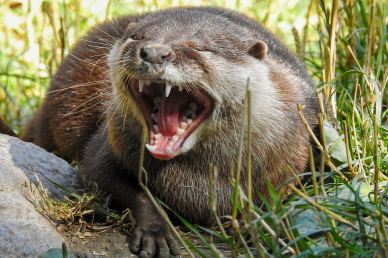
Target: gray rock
{"points": [[34, 162], [23, 231]]}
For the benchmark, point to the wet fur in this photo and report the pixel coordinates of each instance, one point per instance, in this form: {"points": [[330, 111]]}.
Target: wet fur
{"points": [[89, 117]]}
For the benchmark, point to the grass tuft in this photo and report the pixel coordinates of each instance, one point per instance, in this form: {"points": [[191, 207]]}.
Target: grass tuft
{"points": [[89, 210]]}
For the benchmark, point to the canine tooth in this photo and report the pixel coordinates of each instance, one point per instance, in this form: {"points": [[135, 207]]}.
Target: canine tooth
{"points": [[175, 138], [169, 150], [193, 106], [168, 89], [183, 125], [150, 147], [141, 85], [180, 131], [189, 121]]}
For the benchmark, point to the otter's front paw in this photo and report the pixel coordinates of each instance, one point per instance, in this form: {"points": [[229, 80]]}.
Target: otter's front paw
{"points": [[153, 240]]}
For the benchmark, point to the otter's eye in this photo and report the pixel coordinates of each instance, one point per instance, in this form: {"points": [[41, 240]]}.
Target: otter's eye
{"points": [[136, 36]]}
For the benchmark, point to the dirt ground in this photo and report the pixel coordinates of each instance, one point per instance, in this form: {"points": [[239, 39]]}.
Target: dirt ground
{"points": [[111, 243]]}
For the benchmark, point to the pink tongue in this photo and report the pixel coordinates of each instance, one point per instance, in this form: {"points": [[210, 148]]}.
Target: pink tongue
{"points": [[168, 115]]}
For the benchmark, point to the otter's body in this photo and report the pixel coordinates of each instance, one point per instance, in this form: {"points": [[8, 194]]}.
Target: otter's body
{"points": [[5, 129], [148, 71]]}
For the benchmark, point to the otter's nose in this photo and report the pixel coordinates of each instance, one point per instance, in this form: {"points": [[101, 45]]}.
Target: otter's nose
{"points": [[156, 54]]}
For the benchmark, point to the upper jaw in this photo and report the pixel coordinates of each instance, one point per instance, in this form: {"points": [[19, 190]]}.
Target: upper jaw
{"points": [[171, 113]]}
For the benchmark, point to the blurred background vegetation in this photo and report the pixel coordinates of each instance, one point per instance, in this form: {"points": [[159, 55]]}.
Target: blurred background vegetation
{"points": [[344, 46]]}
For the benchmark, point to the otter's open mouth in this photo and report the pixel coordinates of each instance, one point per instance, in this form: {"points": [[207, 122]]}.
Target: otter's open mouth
{"points": [[171, 115]]}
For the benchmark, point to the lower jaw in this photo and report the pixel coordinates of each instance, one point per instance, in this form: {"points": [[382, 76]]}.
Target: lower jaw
{"points": [[162, 151], [167, 147], [163, 145], [162, 156]]}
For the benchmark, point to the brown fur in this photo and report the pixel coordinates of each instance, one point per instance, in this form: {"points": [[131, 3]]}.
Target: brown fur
{"points": [[5, 129], [83, 120], [78, 95]]}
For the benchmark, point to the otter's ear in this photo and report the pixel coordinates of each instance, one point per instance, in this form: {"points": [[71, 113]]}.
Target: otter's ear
{"points": [[258, 50]]}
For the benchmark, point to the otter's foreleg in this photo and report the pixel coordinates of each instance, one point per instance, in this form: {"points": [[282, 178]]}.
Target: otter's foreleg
{"points": [[151, 235]]}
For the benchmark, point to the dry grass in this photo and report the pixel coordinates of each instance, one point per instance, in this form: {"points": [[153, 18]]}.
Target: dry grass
{"points": [[88, 210]]}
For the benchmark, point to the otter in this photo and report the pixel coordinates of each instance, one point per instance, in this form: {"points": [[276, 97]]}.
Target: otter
{"points": [[5, 129], [180, 73]]}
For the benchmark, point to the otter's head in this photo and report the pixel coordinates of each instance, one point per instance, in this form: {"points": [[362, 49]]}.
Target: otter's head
{"points": [[181, 73]]}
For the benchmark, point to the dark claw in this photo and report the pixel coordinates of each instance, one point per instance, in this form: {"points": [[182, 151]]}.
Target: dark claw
{"points": [[153, 243], [137, 235], [149, 248], [162, 247], [174, 249], [145, 254]]}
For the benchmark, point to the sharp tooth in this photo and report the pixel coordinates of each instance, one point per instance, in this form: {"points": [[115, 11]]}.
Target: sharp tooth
{"points": [[147, 82], [150, 147], [175, 138], [169, 150], [183, 125], [189, 121], [141, 85], [168, 89], [180, 131]]}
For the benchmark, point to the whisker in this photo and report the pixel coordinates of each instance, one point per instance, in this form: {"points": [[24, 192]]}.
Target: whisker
{"points": [[96, 43], [90, 98], [106, 79], [95, 63], [103, 113], [125, 115], [76, 86], [105, 33], [111, 117], [114, 28], [92, 106]]}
